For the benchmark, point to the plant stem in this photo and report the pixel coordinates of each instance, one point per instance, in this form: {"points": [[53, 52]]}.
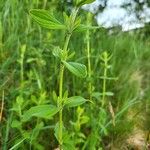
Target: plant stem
{"points": [[61, 74], [104, 82], [7, 129], [60, 102], [2, 106], [88, 56], [23, 49], [21, 73]]}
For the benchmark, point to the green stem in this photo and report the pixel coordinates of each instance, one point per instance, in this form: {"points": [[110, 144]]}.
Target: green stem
{"points": [[7, 129], [89, 71], [23, 49], [1, 42], [104, 83], [61, 74], [88, 56], [44, 5], [21, 73], [60, 102]]}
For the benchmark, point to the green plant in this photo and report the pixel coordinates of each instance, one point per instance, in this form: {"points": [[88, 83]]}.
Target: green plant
{"points": [[105, 57], [81, 119], [29, 106], [102, 115], [71, 24]]}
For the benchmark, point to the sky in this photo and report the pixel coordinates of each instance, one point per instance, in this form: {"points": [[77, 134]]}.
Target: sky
{"points": [[113, 15]]}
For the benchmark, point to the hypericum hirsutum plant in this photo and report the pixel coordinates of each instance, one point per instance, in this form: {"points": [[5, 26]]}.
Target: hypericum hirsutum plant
{"points": [[70, 24]]}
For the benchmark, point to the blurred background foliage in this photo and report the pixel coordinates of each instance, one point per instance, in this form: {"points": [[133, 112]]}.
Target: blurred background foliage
{"points": [[129, 64]]}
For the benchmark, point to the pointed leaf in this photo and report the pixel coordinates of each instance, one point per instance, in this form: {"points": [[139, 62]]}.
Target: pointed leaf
{"points": [[57, 52], [76, 68], [83, 2], [17, 144], [82, 28], [41, 111], [108, 78], [109, 93], [97, 94], [74, 101], [46, 19]]}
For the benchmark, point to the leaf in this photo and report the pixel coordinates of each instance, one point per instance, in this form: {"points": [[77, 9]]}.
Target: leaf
{"points": [[71, 55], [102, 117], [69, 145], [98, 94], [109, 93], [46, 19], [84, 119], [19, 100], [56, 130], [83, 2], [75, 101], [41, 111], [55, 97], [108, 78], [35, 131], [16, 124], [57, 52], [76, 68], [82, 28], [17, 144]]}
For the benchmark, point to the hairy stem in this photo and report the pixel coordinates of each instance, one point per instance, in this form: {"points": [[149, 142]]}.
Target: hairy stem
{"points": [[61, 74], [88, 57], [60, 102]]}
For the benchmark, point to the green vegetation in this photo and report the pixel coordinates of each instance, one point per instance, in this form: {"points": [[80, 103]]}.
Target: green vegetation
{"points": [[68, 84]]}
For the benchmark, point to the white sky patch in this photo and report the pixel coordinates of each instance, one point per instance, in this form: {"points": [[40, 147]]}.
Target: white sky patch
{"points": [[115, 3], [114, 15], [110, 18]]}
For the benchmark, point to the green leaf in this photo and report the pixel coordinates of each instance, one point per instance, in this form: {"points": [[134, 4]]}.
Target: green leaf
{"points": [[20, 141], [102, 117], [76, 68], [71, 55], [82, 28], [19, 100], [108, 78], [46, 19], [56, 130], [109, 93], [16, 124], [98, 94], [41, 111], [83, 2], [57, 52], [75, 101], [36, 131], [84, 119]]}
